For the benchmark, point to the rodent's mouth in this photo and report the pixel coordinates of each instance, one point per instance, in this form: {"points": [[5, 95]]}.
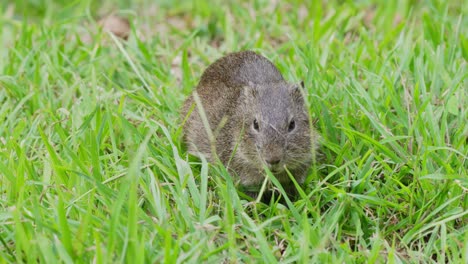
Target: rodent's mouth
{"points": [[275, 168]]}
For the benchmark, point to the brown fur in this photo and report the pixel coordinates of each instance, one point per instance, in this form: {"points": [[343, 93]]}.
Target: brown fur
{"points": [[236, 90]]}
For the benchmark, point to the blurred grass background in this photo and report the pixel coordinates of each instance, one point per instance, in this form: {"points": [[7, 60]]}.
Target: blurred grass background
{"points": [[92, 167]]}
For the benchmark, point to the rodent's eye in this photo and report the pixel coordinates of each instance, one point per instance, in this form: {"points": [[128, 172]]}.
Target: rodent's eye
{"points": [[255, 125], [291, 126]]}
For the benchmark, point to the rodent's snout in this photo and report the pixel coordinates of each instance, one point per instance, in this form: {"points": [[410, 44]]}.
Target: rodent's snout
{"points": [[273, 159]]}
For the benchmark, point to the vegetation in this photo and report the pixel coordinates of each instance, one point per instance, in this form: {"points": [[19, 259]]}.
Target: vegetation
{"points": [[92, 168]]}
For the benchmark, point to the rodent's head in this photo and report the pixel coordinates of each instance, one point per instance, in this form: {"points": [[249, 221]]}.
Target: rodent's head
{"points": [[276, 129]]}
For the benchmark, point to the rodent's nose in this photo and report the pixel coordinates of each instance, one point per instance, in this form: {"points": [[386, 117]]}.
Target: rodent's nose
{"points": [[275, 160]]}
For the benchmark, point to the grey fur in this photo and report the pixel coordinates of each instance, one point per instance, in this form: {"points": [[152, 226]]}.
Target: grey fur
{"points": [[234, 91]]}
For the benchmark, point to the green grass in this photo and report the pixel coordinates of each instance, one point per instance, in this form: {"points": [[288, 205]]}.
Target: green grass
{"points": [[92, 167]]}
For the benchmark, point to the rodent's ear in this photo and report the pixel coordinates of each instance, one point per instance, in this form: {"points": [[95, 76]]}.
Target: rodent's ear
{"points": [[296, 92]]}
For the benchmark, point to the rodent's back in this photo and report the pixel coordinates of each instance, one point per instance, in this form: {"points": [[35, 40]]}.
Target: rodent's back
{"points": [[221, 83], [241, 68]]}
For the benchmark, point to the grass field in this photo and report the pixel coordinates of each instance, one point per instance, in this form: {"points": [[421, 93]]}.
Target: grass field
{"points": [[92, 167]]}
